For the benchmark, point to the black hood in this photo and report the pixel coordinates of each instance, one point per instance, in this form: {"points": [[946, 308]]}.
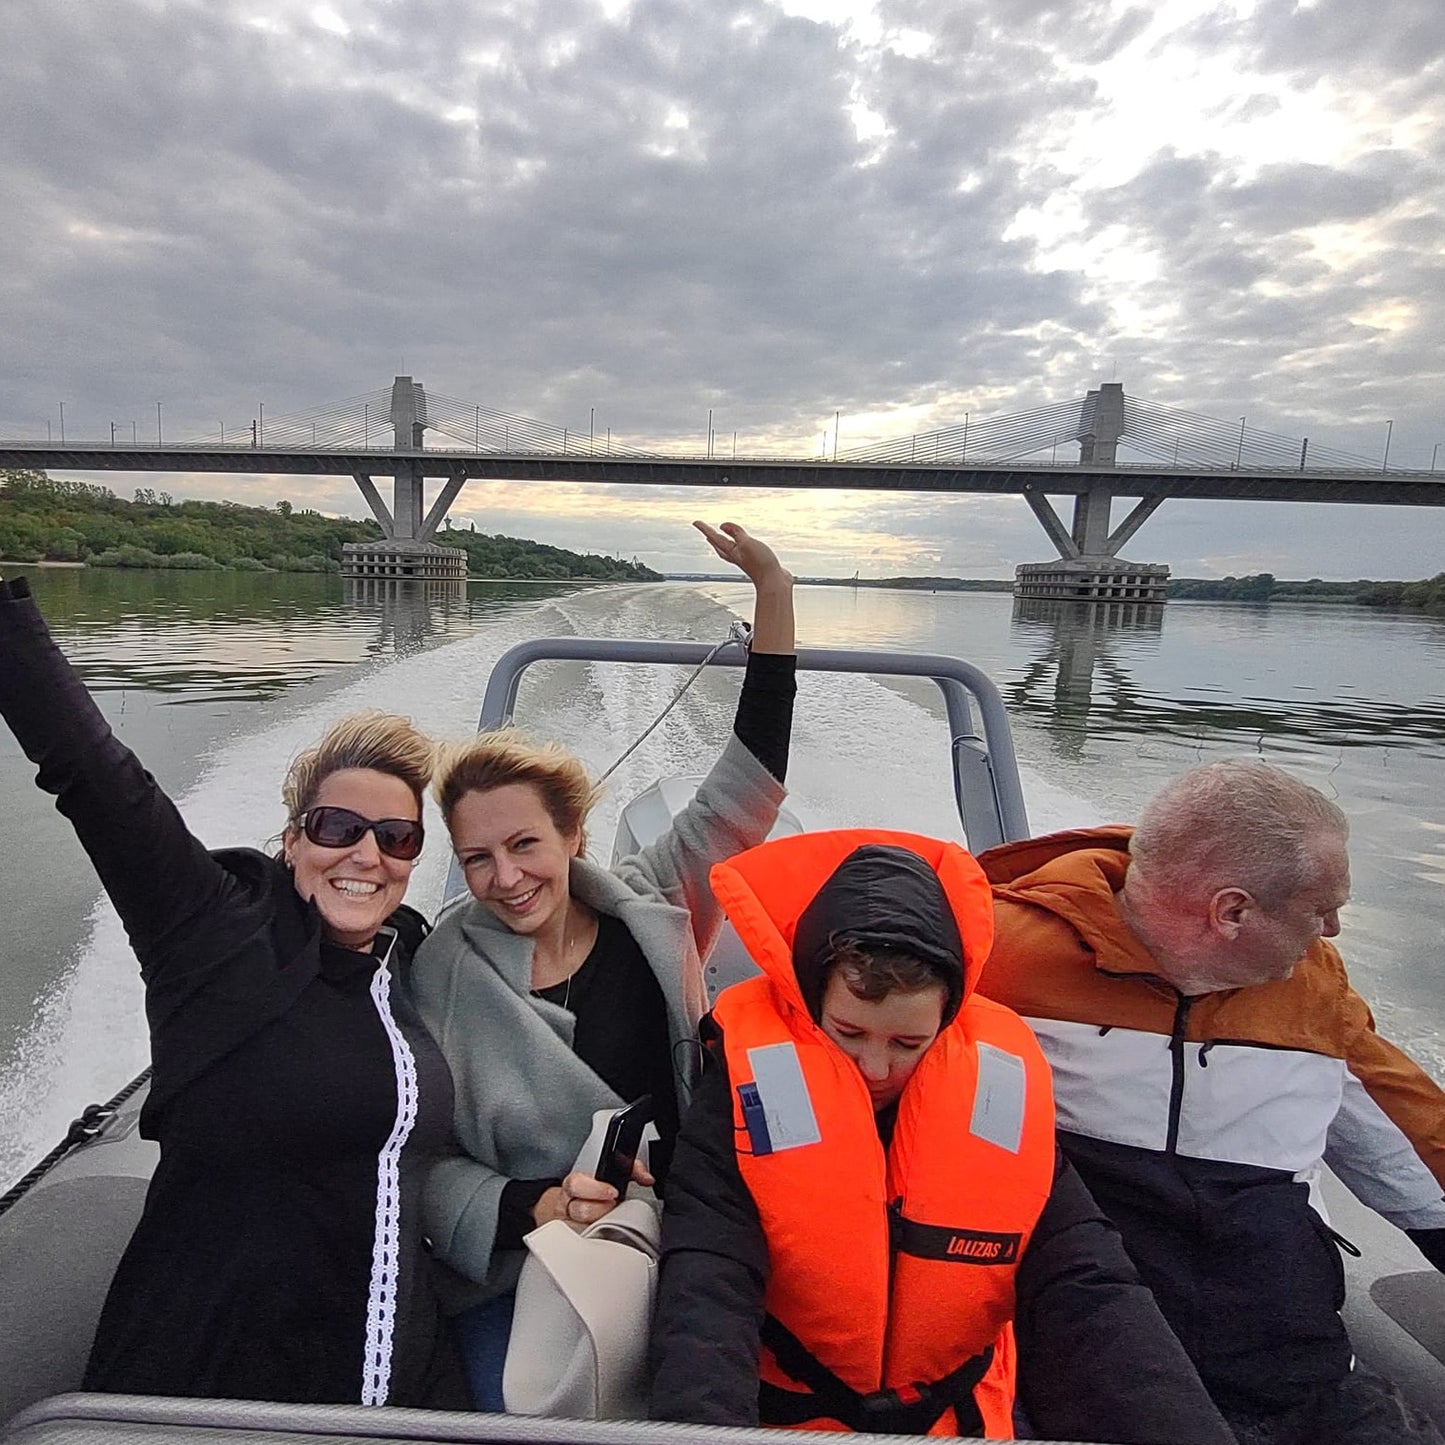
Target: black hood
{"points": [[880, 896]]}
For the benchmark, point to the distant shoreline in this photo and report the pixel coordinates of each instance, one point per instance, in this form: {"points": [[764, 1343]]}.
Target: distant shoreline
{"points": [[529, 581], [1388, 596]]}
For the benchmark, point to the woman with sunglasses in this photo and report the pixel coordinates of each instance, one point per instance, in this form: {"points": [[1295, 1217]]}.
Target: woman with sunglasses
{"points": [[296, 1097], [564, 988]]}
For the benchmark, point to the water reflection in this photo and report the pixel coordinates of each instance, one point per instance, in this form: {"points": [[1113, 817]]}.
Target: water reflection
{"points": [[1071, 643], [238, 637], [1237, 673], [409, 613]]}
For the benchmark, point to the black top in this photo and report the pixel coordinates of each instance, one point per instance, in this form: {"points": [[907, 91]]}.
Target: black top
{"points": [[764, 721], [277, 1257], [621, 1031]]}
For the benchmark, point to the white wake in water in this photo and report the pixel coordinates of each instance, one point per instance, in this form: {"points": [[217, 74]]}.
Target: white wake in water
{"points": [[861, 754]]}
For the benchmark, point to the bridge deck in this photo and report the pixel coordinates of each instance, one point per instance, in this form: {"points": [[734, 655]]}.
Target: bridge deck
{"points": [[1378, 488]]}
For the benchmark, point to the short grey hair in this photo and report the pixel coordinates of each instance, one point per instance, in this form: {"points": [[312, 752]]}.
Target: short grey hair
{"points": [[1238, 823]]}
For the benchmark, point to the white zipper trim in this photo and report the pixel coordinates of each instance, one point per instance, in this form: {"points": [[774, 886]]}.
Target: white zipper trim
{"points": [[386, 1240]]}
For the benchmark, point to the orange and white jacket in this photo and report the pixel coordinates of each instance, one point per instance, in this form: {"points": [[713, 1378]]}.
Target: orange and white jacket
{"points": [[1201, 1124]]}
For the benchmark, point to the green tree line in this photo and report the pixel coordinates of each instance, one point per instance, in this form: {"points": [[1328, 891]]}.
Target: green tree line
{"points": [[1428, 595], [44, 518], [489, 556], [1262, 587]]}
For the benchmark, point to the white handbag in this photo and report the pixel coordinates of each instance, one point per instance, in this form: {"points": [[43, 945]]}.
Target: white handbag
{"points": [[578, 1348]]}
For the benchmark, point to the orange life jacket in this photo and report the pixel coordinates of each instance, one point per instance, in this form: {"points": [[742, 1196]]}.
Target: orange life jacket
{"points": [[893, 1273]]}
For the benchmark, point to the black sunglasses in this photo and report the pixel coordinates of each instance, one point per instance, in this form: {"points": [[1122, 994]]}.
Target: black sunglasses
{"points": [[341, 828]]}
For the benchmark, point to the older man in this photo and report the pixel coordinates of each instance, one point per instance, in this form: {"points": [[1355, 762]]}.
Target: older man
{"points": [[1208, 1055]]}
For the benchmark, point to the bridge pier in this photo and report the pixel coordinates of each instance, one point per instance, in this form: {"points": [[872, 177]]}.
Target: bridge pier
{"points": [[1089, 568], [393, 560], [1091, 579], [408, 528]]}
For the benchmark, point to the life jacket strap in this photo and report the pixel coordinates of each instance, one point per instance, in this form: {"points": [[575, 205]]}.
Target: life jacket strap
{"points": [[905, 1410]]}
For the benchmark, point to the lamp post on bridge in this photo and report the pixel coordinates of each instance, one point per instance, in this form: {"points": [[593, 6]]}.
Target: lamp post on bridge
{"points": [[1239, 450], [158, 425], [1435, 453], [1389, 431]]}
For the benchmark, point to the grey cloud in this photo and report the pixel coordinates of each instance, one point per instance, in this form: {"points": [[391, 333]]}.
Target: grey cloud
{"points": [[218, 217], [762, 263], [1397, 38]]}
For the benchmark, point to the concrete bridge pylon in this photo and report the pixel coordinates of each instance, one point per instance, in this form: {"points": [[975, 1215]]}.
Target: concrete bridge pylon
{"points": [[407, 527], [1089, 568]]}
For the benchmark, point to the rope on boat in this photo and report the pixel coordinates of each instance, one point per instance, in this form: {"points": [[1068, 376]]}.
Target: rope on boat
{"points": [[738, 632], [93, 1118]]}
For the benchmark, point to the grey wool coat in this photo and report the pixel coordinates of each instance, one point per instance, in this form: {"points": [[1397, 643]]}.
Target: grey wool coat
{"points": [[524, 1100]]}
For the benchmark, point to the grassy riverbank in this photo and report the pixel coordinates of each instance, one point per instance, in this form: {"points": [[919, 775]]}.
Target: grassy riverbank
{"points": [[45, 519]]}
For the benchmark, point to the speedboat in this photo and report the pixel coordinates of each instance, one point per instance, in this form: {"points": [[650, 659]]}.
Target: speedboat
{"points": [[64, 1226]]}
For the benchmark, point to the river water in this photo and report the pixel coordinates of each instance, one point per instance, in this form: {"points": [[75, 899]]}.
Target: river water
{"points": [[216, 681]]}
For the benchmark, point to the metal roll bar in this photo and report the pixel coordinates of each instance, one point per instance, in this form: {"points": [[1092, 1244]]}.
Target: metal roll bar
{"points": [[985, 772]]}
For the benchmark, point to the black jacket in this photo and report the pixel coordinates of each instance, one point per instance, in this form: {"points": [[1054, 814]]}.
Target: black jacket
{"points": [[277, 1065], [1096, 1360]]}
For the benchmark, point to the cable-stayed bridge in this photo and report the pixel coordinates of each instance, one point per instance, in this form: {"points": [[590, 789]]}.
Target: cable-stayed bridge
{"points": [[413, 436]]}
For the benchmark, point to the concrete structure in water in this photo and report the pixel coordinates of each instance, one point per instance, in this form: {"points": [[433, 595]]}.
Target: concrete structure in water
{"points": [[407, 550], [1089, 568]]}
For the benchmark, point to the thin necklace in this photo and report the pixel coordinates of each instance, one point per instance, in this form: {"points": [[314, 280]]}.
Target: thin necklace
{"points": [[567, 940]]}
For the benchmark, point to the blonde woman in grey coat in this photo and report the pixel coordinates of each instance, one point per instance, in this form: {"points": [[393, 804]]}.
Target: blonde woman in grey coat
{"points": [[561, 987]]}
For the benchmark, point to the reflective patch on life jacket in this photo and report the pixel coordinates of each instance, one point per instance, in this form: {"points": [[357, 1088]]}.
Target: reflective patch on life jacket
{"points": [[998, 1101], [783, 1094]]}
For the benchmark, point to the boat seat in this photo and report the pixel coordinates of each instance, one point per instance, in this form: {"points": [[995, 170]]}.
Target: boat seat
{"points": [[1416, 1302], [648, 816], [59, 1248]]}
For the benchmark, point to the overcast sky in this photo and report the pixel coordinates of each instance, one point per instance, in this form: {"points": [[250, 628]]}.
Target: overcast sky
{"points": [[898, 211]]}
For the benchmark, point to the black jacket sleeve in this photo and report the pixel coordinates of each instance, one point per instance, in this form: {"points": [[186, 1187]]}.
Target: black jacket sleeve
{"points": [[1430, 1243], [714, 1268], [1096, 1360], [163, 882], [764, 721]]}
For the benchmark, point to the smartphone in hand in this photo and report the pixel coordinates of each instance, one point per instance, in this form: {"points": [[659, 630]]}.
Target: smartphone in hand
{"points": [[621, 1143]]}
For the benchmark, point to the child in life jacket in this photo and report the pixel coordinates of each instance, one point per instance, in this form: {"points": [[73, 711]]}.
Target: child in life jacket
{"points": [[868, 1223]]}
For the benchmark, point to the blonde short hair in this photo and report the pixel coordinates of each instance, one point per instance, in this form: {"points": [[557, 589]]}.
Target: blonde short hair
{"points": [[378, 742], [507, 756]]}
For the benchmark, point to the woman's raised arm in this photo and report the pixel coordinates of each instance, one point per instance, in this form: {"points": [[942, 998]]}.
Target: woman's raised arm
{"points": [[737, 803], [160, 878]]}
